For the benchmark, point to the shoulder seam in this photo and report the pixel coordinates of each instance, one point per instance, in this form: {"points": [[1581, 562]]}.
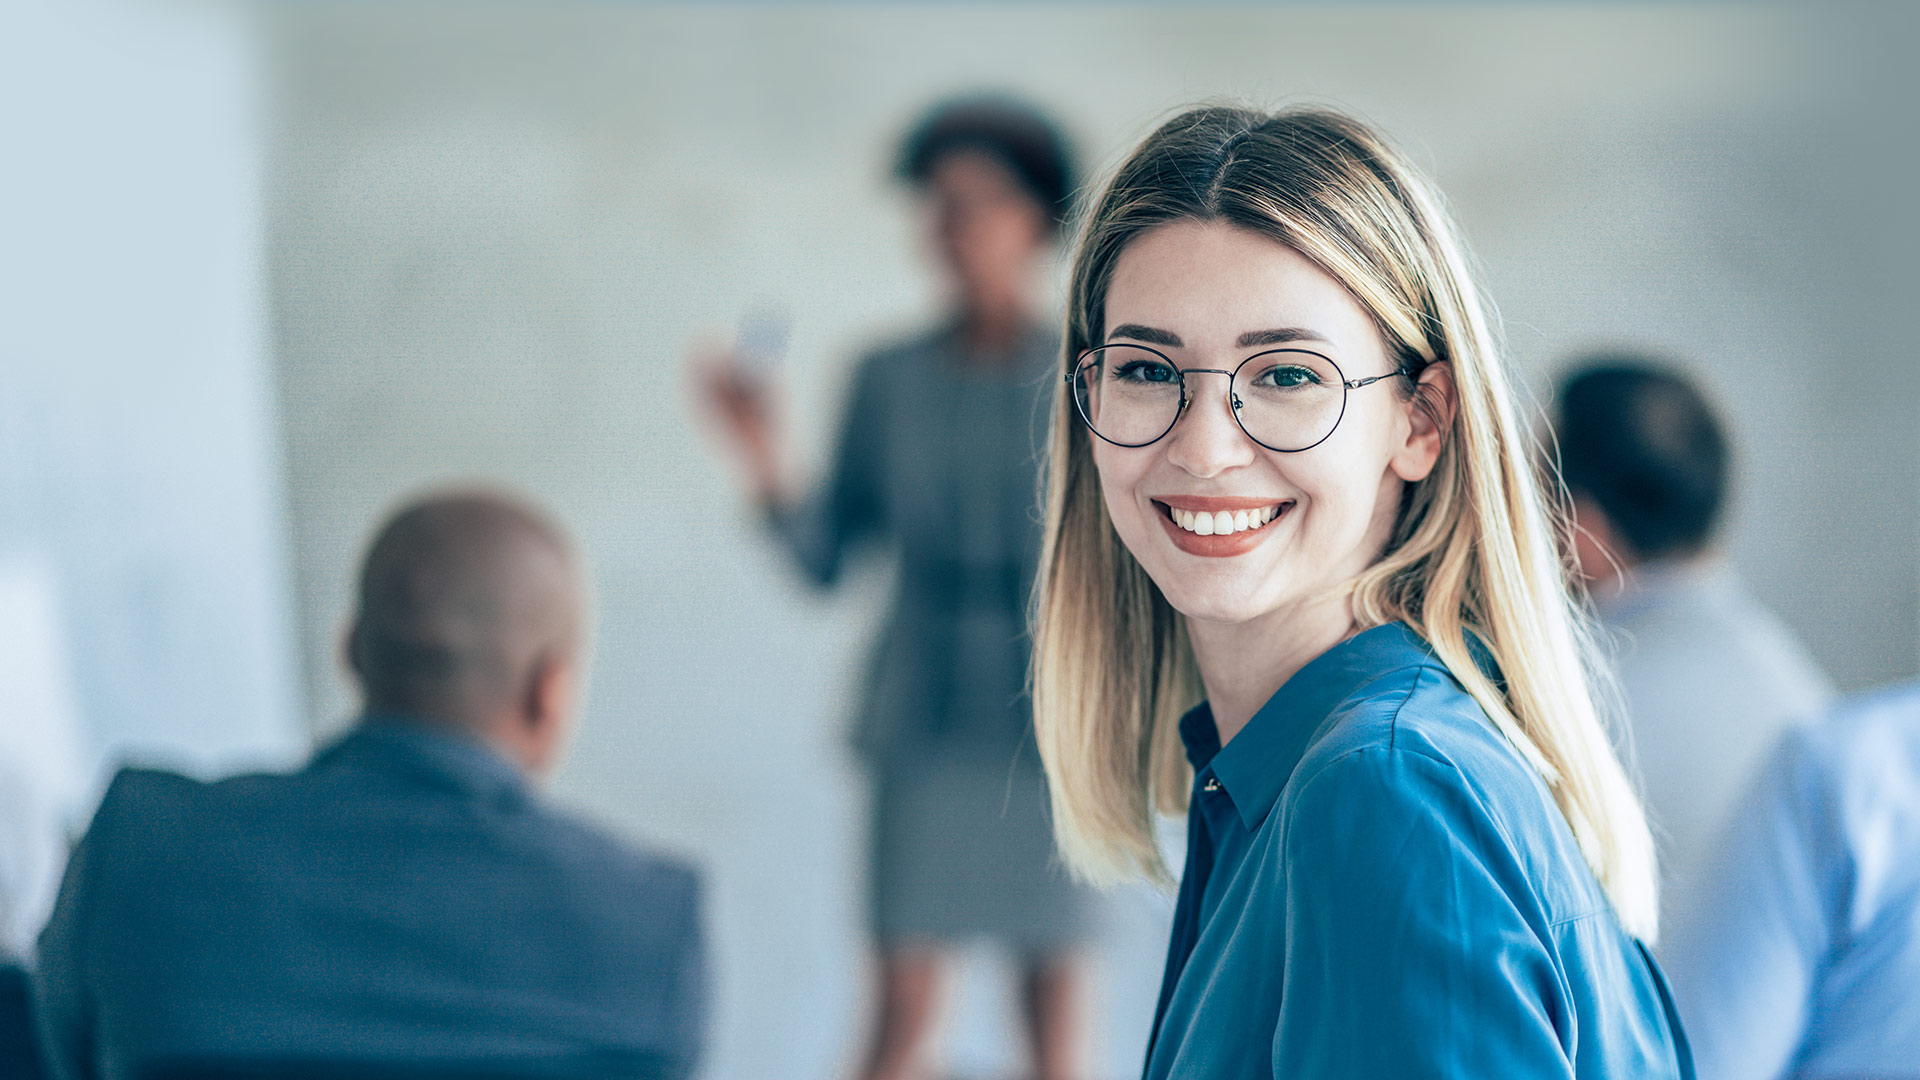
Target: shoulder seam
{"points": [[1393, 726], [1571, 919], [1494, 820], [1361, 751], [1393, 741]]}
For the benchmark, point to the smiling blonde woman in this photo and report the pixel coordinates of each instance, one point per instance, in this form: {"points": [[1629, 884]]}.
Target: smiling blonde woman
{"points": [[1300, 584]]}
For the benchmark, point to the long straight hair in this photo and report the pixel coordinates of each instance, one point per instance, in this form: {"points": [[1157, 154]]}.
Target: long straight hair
{"points": [[1472, 556]]}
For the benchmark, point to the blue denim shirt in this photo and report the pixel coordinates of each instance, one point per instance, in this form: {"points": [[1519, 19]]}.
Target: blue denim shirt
{"points": [[1379, 885]]}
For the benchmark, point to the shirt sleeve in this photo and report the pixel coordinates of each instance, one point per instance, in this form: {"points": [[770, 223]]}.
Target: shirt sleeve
{"points": [[1744, 962], [1412, 949], [848, 508]]}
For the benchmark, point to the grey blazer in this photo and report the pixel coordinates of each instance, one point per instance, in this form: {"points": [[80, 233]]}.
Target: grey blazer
{"points": [[404, 897], [942, 463]]}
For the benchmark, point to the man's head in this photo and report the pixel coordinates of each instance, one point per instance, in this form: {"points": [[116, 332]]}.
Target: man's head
{"points": [[1645, 460], [470, 615]]}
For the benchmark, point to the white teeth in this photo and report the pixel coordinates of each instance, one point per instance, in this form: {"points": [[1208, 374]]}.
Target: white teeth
{"points": [[1222, 522]]}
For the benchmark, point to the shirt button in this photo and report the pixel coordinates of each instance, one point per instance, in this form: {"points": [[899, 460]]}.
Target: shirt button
{"points": [[1212, 784]]}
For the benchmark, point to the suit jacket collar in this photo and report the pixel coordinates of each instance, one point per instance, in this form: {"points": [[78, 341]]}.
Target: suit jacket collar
{"points": [[428, 753]]}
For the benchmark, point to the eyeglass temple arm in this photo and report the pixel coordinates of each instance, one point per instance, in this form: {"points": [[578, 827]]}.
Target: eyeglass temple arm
{"points": [[1355, 384]]}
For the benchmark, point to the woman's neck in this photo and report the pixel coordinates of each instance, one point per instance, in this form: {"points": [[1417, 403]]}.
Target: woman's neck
{"points": [[1242, 665]]}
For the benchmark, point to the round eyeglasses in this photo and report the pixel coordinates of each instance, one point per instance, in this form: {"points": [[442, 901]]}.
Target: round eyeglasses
{"points": [[1287, 400]]}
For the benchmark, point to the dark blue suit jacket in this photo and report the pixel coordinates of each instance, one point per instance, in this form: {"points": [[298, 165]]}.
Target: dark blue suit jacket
{"points": [[403, 897]]}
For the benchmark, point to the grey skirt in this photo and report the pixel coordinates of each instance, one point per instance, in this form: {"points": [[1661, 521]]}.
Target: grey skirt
{"points": [[963, 849]]}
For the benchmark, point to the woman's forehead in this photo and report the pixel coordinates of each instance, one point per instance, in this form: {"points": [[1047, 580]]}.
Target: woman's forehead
{"points": [[1211, 284]]}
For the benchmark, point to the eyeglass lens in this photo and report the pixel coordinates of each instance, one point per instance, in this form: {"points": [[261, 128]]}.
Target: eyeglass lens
{"points": [[1287, 399]]}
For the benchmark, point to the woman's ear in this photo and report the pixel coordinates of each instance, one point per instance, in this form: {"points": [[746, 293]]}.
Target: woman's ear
{"points": [[1429, 421]]}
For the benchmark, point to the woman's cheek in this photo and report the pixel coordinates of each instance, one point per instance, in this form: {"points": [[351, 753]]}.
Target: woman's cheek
{"points": [[1117, 493]]}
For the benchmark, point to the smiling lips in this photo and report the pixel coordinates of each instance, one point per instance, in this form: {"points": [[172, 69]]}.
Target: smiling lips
{"points": [[1217, 527]]}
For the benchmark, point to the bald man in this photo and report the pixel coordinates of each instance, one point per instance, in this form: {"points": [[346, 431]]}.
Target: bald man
{"points": [[405, 904]]}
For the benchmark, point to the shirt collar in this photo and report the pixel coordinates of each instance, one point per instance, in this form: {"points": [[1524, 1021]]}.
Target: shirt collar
{"points": [[398, 742], [1256, 765]]}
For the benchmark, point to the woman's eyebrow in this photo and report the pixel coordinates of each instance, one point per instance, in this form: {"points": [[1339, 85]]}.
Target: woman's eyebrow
{"points": [[1279, 336], [1148, 334]]}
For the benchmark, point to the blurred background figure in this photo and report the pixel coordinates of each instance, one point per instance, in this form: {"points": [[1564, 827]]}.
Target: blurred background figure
{"points": [[1710, 678], [406, 897], [1803, 956], [938, 457]]}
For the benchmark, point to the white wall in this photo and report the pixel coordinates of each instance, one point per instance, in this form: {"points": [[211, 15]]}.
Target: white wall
{"points": [[139, 454], [494, 230]]}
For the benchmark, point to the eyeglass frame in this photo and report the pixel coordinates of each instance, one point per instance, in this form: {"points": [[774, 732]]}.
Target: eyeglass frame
{"points": [[1234, 404]]}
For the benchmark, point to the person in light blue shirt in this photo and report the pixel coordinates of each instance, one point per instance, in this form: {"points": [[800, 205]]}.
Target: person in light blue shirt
{"points": [[1804, 957], [1299, 583], [1708, 676]]}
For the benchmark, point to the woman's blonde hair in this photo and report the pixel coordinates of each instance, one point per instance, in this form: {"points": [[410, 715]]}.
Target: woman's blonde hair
{"points": [[1472, 556]]}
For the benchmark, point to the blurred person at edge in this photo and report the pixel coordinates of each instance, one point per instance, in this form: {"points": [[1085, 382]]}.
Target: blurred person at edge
{"points": [[405, 901], [1802, 958], [938, 456], [1709, 678]]}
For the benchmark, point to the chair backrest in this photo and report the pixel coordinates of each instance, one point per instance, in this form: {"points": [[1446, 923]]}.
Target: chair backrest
{"points": [[19, 1049]]}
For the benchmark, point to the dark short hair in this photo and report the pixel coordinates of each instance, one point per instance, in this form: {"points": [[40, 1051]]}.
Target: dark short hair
{"points": [[1640, 440], [1012, 132]]}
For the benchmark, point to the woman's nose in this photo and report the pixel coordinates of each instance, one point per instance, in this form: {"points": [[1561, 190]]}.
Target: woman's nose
{"points": [[1207, 440]]}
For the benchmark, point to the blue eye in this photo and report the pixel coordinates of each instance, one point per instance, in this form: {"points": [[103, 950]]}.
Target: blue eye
{"points": [[1288, 377], [1145, 371]]}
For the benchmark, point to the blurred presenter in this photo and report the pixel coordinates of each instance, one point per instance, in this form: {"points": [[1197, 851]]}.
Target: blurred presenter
{"points": [[938, 457]]}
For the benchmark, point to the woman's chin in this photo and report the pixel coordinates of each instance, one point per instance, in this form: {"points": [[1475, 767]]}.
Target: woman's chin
{"points": [[1225, 607]]}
